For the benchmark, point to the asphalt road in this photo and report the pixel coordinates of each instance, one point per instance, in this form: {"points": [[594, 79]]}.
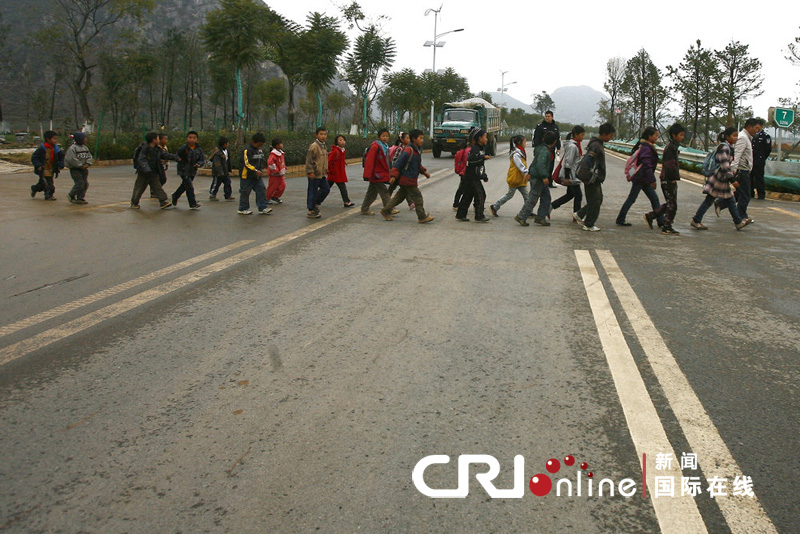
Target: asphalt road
{"points": [[202, 371]]}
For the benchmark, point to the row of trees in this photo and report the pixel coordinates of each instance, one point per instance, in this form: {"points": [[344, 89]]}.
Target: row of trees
{"points": [[709, 86]]}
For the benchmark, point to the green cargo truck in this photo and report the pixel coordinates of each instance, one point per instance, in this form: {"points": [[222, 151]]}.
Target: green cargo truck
{"points": [[458, 118]]}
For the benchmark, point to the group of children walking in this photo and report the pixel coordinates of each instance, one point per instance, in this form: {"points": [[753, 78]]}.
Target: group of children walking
{"points": [[397, 167]]}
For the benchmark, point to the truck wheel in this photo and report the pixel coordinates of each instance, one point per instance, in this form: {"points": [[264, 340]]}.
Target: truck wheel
{"points": [[437, 151]]}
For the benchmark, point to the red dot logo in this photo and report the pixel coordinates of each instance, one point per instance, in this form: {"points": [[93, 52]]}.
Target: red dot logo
{"points": [[584, 466], [552, 465], [569, 460], [541, 485]]}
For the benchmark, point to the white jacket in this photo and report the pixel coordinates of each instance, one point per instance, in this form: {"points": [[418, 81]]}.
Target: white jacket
{"points": [[743, 153]]}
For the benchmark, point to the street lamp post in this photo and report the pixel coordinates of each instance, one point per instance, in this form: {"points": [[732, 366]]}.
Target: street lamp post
{"points": [[436, 44]]}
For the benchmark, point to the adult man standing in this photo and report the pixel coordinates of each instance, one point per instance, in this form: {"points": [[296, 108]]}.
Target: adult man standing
{"points": [[762, 147], [547, 125], [742, 165]]}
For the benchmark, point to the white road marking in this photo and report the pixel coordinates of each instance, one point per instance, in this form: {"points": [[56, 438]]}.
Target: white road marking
{"points": [[677, 514], [74, 305], [743, 514]]}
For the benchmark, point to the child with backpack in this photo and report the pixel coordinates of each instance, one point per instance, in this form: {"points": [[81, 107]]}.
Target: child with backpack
{"points": [[591, 171], [566, 171], [539, 172], [254, 168], [78, 159], [670, 175], [406, 171], [460, 161], [47, 160], [474, 175], [640, 169], [518, 176], [337, 173], [719, 180], [190, 158], [221, 171], [147, 160], [276, 167], [376, 172], [402, 141]]}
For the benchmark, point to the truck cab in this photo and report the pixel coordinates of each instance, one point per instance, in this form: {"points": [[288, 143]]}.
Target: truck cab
{"points": [[458, 119]]}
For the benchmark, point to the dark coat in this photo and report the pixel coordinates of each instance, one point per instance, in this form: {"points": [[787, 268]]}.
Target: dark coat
{"points": [[540, 130], [38, 160], [188, 158]]}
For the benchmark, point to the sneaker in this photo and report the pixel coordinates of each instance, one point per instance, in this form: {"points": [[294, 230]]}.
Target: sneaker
{"points": [[313, 215], [482, 220], [540, 221], [277, 201], [667, 230], [195, 207], [493, 210], [134, 206], [265, 211], [386, 216], [624, 223], [166, 205], [698, 226], [590, 228], [245, 212], [427, 219], [174, 200], [395, 212], [575, 217], [347, 205], [462, 219], [368, 212], [33, 193], [411, 206], [521, 222], [72, 200], [455, 208], [81, 201], [750, 220], [648, 220], [213, 198], [230, 199], [742, 224], [50, 198]]}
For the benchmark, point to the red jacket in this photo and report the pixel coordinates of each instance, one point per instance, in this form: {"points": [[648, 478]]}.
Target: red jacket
{"points": [[336, 165], [376, 167], [276, 163]]}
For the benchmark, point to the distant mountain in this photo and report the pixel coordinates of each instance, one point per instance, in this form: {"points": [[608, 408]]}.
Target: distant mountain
{"points": [[510, 102], [577, 104]]}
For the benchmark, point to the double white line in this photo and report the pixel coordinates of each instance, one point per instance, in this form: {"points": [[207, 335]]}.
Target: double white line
{"points": [[679, 513]]}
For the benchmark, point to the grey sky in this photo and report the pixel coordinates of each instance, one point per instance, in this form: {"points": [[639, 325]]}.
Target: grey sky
{"points": [[546, 45]]}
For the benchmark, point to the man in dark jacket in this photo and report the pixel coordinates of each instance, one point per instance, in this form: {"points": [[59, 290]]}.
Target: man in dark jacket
{"points": [[148, 165], [762, 147], [190, 158], [594, 189], [547, 125], [47, 160]]}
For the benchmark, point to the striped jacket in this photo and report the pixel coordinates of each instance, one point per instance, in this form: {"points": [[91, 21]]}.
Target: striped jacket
{"points": [[718, 185]]}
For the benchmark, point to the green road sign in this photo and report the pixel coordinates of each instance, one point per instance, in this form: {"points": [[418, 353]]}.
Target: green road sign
{"points": [[784, 117]]}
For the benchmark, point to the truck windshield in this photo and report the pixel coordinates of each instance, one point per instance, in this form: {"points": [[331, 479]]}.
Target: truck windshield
{"points": [[459, 115]]}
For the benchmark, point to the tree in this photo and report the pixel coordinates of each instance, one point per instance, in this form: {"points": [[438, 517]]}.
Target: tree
{"points": [[272, 95], [403, 92], [335, 102], [794, 51], [641, 83], [370, 54], [323, 43], [75, 27], [448, 86], [543, 102], [694, 79], [284, 53], [236, 33], [615, 76], [740, 77]]}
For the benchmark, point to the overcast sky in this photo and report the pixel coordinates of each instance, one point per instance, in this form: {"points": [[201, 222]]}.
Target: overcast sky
{"points": [[546, 45]]}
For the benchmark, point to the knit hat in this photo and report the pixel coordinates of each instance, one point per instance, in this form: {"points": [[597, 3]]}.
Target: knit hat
{"points": [[477, 133], [79, 138]]}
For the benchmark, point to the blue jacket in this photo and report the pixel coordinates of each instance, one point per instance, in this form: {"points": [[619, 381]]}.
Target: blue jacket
{"points": [[39, 155], [408, 166]]}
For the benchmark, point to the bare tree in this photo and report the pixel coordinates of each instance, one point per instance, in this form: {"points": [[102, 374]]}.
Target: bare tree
{"points": [[615, 75]]}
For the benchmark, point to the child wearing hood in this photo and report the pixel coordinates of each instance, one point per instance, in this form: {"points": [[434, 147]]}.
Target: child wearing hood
{"points": [[47, 160], [78, 159]]}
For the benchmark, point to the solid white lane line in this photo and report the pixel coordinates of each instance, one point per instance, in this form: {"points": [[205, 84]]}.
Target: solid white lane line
{"points": [[743, 514], [678, 514], [70, 306]]}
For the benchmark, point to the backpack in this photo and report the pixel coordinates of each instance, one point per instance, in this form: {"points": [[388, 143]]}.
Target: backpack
{"points": [[136, 155], [557, 173], [710, 165], [461, 161], [586, 170], [632, 165], [364, 156], [397, 151]]}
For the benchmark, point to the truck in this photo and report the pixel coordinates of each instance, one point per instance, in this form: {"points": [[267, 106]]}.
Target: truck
{"points": [[456, 121]]}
